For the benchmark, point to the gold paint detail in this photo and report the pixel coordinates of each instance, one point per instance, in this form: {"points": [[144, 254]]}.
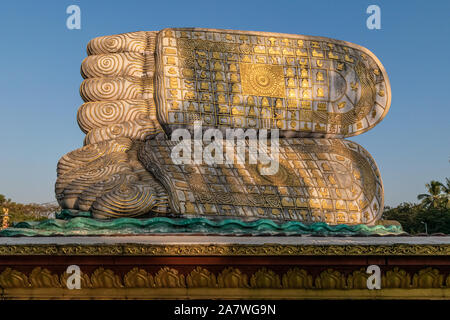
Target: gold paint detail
{"points": [[230, 277], [271, 66], [309, 179], [225, 250], [262, 80], [5, 219]]}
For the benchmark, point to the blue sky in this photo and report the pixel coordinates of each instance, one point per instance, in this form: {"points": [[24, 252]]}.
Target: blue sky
{"points": [[40, 62]]}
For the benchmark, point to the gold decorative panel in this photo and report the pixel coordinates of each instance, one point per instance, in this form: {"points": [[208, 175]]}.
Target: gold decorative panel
{"points": [[174, 282], [302, 85], [318, 180]]}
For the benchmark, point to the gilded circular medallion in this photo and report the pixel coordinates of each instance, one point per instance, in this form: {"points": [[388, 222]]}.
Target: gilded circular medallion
{"points": [[262, 80]]}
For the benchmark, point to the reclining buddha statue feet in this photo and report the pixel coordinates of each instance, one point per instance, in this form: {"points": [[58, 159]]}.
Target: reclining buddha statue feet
{"points": [[107, 179], [142, 89]]}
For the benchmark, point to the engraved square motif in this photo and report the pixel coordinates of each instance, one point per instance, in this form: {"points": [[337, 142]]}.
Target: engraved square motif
{"points": [[262, 80]]}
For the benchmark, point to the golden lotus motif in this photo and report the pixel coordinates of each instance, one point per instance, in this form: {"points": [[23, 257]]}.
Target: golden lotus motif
{"points": [[295, 283]]}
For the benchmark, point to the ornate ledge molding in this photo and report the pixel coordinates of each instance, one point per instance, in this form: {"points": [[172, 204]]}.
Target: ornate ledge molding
{"points": [[225, 250]]}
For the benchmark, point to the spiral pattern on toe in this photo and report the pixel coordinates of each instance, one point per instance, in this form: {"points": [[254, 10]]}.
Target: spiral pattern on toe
{"points": [[126, 200], [103, 168], [90, 194], [118, 88], [109, 159], [105, 176], [90, 153], [132, 129], [100, 89], [82, 182], [113, 65], [126, 42], [93, 115]]}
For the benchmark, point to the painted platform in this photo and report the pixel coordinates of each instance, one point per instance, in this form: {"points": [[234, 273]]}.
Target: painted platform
{"points": [[225, 267]]}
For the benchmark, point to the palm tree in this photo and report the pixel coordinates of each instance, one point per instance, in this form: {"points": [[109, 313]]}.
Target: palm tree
{"points": [[434, 197], [446, 186], [446, 191]]}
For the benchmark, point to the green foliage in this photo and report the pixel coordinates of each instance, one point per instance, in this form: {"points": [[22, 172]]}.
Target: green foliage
{"points": [[434, 211], [412, 218], [26, 212]]}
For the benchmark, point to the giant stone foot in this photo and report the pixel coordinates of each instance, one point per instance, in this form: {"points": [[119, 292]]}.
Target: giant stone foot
{"points": [[140, 87]]}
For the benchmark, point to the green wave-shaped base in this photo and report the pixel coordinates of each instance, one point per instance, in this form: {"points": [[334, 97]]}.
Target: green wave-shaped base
{"points": [[66, 225]]}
